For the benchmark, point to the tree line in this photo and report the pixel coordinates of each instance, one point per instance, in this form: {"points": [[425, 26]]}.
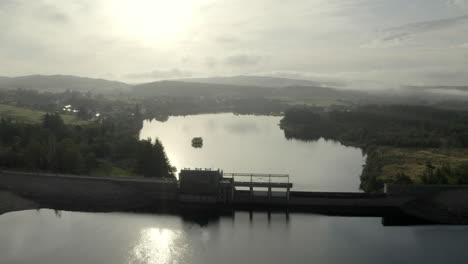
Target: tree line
{"points": [[374, 126], [382, 125], [55, 147]]}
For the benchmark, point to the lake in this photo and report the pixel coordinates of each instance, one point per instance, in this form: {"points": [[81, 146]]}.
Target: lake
{"points": [[256, 144], [34, 237], [234, 143]]}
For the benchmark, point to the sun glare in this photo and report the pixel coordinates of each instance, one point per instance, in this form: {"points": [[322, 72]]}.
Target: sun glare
{"points": [[154, 20], [155, 246]]}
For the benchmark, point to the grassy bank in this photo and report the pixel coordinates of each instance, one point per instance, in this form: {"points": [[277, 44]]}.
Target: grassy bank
{"points": [[404, 144], [415, 161], [414, 166], [34, 116]]}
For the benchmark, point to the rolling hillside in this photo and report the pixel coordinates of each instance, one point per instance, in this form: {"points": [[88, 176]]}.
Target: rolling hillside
{"points": [[60, 83], [263, 81]]}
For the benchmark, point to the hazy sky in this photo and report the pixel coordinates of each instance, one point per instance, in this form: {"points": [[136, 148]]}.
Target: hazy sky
{"points": [[391, 41]]}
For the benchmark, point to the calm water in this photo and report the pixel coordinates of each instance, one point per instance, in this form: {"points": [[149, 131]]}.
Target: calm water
{"points": [[42, 237], [247, 143], [239, 144]]}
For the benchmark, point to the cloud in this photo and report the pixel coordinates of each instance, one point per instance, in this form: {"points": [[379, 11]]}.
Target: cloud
{"points": [[39, 10], [313, 39], [242, 60], [226, 40], [4, 4], [391, 37], [52, 14], [160, 74], [420, 27], [461, 4], [210, 62], [320, 79]]}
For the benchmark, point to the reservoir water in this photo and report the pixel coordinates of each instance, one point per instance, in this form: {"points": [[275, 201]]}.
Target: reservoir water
{"points": [[256, 144], [235, 144], [45, 236]]}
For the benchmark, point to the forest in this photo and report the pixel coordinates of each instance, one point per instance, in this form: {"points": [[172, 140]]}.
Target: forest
{"points": [[383, 125], [383, 130], [107, 148]]}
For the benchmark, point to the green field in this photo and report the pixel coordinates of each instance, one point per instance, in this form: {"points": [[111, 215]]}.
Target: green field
{"points": [[34, 116], [413, 161]]}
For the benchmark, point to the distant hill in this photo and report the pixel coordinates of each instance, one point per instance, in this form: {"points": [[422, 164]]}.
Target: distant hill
{"points": [[190, 89], [59, 83], [194, 89], [439, 88], [263, 81]]}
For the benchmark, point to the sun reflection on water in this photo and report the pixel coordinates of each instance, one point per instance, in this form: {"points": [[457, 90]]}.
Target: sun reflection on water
{"points": [[155, 245]]}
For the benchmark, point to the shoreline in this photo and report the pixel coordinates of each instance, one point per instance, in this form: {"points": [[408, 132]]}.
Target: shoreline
{"points": [[11, 202]]}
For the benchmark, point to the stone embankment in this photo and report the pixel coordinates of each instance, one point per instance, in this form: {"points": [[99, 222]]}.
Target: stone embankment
{"points": [[83, 193]]}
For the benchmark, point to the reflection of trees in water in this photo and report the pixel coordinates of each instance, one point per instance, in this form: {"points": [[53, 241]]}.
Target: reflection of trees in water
{"points": [[200, 216], [197, 145], [243, 127], [162, 118], [58, 213]]}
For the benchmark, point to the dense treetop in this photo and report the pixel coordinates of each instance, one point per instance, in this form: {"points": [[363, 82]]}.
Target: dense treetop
{"points": [[383, 125], [100, 147], [378, 128]]}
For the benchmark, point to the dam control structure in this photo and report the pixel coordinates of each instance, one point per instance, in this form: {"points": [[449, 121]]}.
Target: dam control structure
{"points": [[207, 188], [215, 186]]}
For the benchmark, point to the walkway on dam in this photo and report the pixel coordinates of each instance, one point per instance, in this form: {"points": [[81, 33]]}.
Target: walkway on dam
{"points": [[86, 177], [441, 204]]}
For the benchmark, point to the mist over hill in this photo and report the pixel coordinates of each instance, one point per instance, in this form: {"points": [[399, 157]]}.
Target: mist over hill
{"points": [[299, 94], [299, 91], [60, 83], [188, 89], [250, 80], [447, 88], [240, 86]]}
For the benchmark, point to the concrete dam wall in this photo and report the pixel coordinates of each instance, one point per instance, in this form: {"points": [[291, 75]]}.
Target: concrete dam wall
{"points": [[91, 193]]}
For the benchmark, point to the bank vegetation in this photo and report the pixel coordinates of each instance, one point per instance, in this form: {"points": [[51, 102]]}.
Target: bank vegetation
{"points": [[403, 143]]}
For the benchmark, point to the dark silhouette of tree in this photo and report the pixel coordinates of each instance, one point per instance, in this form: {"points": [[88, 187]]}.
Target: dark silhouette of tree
{"points": [[69, 158], [54, 123], [402, 178], [152, 160], [54, 146], [34, 155]]}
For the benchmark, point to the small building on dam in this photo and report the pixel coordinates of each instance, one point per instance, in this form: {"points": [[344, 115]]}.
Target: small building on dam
{"points": [[205, 186], [215, 186]]}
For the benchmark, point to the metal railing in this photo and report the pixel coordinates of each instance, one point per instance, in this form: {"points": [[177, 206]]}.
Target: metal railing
{"points": [[259, 177]]}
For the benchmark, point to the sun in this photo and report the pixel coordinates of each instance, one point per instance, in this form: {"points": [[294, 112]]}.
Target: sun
{"points": [[154, 20]]}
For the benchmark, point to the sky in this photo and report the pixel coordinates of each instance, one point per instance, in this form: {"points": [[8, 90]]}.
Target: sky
{"points": [[360, 42]]}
